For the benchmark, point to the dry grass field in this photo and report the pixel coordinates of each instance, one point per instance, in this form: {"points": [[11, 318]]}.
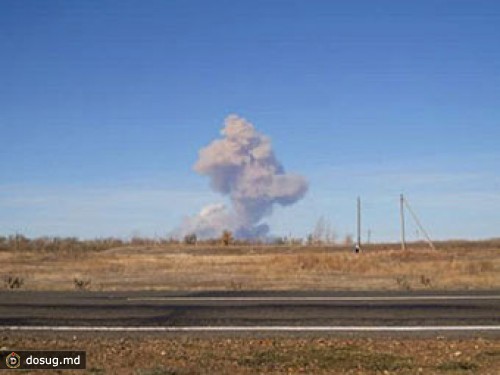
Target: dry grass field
{"points": [[454, 265]]}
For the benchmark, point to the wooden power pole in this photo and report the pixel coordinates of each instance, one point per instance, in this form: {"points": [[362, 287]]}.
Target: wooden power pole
{"points": [[402, 218], [419, 224], [358, 241]]}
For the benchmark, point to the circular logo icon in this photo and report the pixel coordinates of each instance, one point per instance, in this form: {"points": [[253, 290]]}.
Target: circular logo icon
{"points": [[13, 360]]}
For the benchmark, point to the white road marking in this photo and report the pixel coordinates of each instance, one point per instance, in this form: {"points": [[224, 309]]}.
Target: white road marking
{"points": [[312, 299], [255, 328]]}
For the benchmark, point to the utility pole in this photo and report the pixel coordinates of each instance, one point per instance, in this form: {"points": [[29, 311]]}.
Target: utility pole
{"points": [[358, 243], [415, 218], [402, 217]]}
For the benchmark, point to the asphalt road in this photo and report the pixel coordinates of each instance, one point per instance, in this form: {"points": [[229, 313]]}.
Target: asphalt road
{"points": [[247, 311]]}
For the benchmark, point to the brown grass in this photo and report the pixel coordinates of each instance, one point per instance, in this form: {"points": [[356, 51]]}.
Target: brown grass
{"points": [[455, 265], [153, 355]]}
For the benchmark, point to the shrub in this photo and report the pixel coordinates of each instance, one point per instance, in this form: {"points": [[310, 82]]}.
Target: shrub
{"points": [[82, 284], [13, 282], [190, 239], [227, 237]]}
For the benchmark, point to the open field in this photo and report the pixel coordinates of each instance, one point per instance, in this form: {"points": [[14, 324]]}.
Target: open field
{"points": [[157, 355], [177, 267], [453, 266]]}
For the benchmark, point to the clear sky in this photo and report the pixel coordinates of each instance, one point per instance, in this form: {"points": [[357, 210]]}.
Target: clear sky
{"points": [[105, 104]]}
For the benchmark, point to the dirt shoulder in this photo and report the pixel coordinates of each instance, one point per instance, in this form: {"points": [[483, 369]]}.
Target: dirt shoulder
{"points": [[148, 355]]}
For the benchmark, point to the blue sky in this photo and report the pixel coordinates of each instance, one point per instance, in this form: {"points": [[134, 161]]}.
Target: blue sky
{"points": [[104, 106]]}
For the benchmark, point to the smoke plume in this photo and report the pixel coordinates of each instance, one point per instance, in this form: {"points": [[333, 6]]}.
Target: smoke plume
{"points": [[242, 166]]}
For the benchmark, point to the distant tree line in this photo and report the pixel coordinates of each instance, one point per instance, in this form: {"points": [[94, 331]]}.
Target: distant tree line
{"points": [[322, 234]]}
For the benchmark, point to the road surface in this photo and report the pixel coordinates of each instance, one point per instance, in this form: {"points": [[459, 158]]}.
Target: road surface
{"points": [[142, 311]]}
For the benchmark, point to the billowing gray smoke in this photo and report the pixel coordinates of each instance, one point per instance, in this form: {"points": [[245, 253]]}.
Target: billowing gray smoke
{"points": [[243, 167]]}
